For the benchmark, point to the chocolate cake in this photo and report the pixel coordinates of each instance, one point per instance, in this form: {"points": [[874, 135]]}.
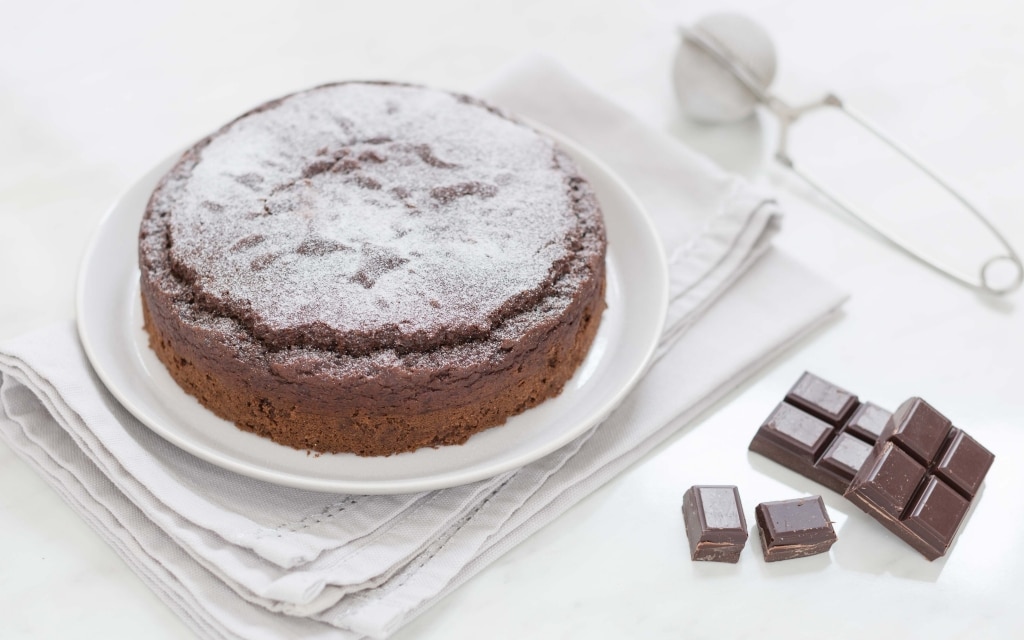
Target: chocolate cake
{"points": [[372, 268]]}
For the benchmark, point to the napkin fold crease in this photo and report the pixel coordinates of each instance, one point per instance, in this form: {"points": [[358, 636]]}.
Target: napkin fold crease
{"points": [[240, 558]]}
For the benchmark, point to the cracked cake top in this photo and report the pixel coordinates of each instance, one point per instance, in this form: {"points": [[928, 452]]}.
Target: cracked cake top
{"points": [[360, 216]]}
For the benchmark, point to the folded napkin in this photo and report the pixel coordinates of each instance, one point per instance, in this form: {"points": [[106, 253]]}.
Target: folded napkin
{"points": [[240, 558]]}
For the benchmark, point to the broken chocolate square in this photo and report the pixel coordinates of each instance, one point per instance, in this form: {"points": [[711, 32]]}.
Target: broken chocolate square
{"points": [[794, 528], [714, 521]]}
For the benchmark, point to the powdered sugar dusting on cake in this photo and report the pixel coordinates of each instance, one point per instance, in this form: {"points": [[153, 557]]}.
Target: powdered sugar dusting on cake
{"points": [[372, 210]]}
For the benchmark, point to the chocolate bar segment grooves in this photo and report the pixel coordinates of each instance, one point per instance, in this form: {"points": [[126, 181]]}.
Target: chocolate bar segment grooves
{"points": [[830, 449], [921, 478]]}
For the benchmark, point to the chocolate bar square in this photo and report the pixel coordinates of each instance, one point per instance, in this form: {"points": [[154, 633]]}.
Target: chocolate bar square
{"points": [[936, 515], [890, 480], [964, 463], [918, 428], [822, 399], [845, 456], [868, 421]]}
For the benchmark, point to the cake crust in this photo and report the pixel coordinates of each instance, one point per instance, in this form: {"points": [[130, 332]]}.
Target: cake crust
{"points": [[345, 270]]}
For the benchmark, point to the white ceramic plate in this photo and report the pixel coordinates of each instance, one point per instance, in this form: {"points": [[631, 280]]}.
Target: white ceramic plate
{"points": [[110, 326]]}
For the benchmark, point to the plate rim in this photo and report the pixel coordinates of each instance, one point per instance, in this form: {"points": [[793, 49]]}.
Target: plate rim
{"points": [[639, 219]]}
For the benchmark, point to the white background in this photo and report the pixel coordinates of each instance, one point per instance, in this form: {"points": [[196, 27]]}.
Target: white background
{"points": [[92, 94]]}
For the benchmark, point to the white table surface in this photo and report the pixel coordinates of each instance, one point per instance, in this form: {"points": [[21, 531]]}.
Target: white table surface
{"points": [[91, 94]]}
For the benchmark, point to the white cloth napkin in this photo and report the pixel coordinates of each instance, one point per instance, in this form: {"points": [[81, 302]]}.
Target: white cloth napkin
{"points": [[240, 558]]}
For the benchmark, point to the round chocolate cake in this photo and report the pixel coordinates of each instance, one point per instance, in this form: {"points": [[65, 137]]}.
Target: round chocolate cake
{"points": [[372, 268]]}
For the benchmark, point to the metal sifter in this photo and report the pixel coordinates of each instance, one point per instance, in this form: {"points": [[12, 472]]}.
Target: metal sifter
{"points": [[724, 68]]}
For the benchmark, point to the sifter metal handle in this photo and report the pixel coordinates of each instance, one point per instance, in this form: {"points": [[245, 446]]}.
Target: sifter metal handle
{"points": [[788, 115]]}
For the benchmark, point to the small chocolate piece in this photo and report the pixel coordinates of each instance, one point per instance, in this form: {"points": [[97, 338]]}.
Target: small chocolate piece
{"points": [[794, 528], [714, 520], [920, 478], [822, 399], [828, 453]]}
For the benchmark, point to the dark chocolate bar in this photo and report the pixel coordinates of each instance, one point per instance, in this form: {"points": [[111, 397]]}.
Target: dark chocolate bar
{"points": [[794, 528], [714, 521], [821, 431], [913, 471], [921, 477]]}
